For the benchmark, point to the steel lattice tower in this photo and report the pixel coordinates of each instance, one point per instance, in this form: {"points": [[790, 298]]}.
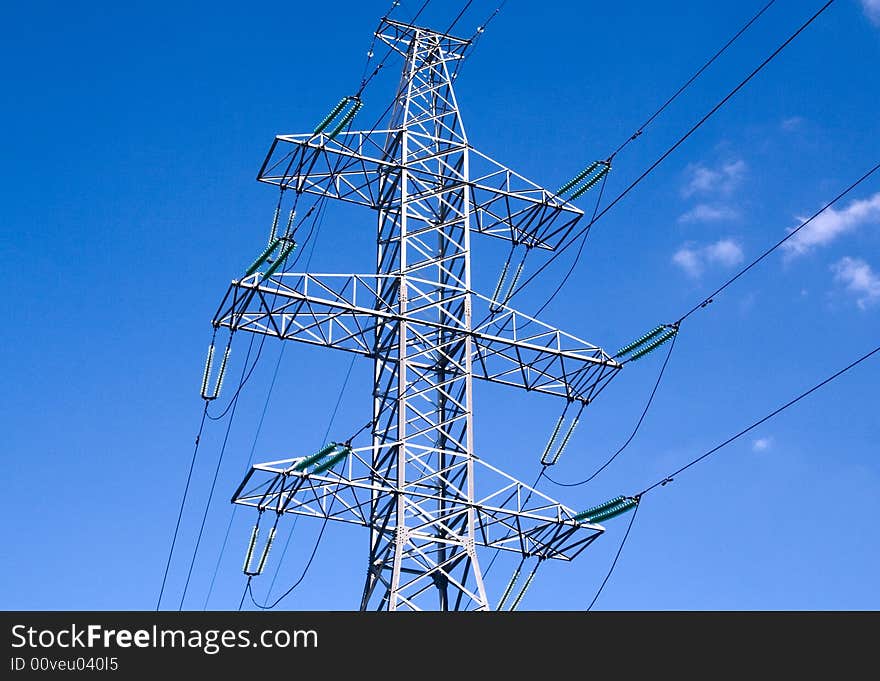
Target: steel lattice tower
{"points": [[429, 335]]}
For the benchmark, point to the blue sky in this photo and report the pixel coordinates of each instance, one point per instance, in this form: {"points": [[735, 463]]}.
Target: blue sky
{"points": [[132, 136]]}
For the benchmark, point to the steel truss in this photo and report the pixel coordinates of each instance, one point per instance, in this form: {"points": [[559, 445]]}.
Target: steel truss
{"points": [[414, 486]]}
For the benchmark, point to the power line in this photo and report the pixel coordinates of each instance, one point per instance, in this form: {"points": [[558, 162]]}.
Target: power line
{"points": [[182, 504], [616, 558], [632, 435], [302, 575], [385, 16], [669, 478], [381, 65], [676, 145], [246, 374], [693, 78], [459, 16], [708, 299], [315, 229], [247, 467], [474, 39], [635, 136], [638, 134], [323, 442], [577, 256], [213, 485]]}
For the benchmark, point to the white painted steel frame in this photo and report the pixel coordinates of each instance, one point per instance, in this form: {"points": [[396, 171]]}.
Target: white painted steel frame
{"points": [[414, 487]]}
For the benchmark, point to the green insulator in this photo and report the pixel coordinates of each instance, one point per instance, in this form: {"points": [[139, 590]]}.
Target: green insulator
{"points": [[522, 592], [641, 341], [314, 458], [564, 443], [286, 251], [266, 550], [514, 281], [614, 511], [585, 515], [328, 119], [207, 375], [589, 179], [290, 220], [265, 254], [577, 178], [222, 373], [552, 439], [274, 231], [346, 119], [509, 588], [332, 461], [500, 283], [589, 184], [656, 344], [250, 550]]}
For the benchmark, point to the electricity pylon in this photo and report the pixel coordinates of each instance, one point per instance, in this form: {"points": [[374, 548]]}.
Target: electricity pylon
{"points": [[427, 499]]}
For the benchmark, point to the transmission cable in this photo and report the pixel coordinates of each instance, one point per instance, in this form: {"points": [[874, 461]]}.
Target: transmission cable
{"points": [[381, 65], [326, 436], [635, 136], [691, 80], [670, 478], [230, 408], [247, 468], [675, 146], [577, 256], [182, 504], [458, 17], [302, 576], [394, 5], [481, 29], [641, 130], [634, 432], [213, 485], [616, 557], [709, 299]]}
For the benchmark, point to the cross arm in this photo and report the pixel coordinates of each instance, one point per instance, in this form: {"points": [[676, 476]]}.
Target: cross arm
{"points": [[512, 517], [364, 168], [345, 312]]}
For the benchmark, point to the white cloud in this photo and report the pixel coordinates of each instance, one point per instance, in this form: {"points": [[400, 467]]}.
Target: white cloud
{"points": [[726, 252], [872, 10], [721, 180], [832, 224], [689, 260], [762, 444], [794, 123], [705, 212], [695, 259], [859, 279]]}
